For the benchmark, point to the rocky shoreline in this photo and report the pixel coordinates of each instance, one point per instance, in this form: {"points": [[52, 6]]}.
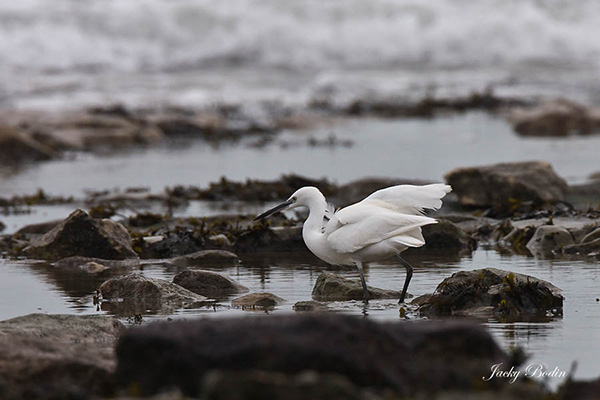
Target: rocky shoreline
{"points": [[523, 208]]}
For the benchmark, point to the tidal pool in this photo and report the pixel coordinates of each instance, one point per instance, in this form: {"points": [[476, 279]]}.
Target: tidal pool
{"points": [[28, 287]]}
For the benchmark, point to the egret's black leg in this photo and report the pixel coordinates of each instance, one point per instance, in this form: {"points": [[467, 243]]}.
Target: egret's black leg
{"points": [[366, 294], [409, 273]]}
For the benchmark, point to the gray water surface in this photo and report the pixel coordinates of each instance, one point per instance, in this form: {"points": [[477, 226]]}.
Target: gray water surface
{"points": [[27, 288]]}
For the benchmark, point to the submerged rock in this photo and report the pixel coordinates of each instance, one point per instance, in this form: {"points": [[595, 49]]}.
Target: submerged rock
{"points": [[206, 258], [57, 356], [310, 305], [208, 283], [135, 293], [258, 300], [491, 291], [332, 287], [94, 265], [549, 239], [506, 186], [81, 235], [406, 358]]}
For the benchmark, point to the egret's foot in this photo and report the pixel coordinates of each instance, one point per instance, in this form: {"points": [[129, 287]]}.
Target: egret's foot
{"points": [[366, 296]]}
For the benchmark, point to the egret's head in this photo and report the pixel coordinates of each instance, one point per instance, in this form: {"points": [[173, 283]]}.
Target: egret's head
{"points": [[301, 197]]}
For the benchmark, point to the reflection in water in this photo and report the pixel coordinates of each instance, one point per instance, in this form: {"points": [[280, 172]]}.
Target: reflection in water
{"points": [[27, 287]]}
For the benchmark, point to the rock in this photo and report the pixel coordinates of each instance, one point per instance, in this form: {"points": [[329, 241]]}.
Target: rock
{"points": [[549, 239], [310, 305], [271, 239], [555, 118], [227, 384], [332, 287], [579, 390], [207, 283], [58, 356], [406, 358], [206, 258], [506, 186], [81, 235], [135, 293], [518, 238], [94, 265], [593, 235], [592, 246], [37, 229], [491, 291], [16, 147], [258, 300], [446, 235]]}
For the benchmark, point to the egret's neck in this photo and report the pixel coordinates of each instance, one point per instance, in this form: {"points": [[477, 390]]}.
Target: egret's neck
{"points": [[317, 207]]}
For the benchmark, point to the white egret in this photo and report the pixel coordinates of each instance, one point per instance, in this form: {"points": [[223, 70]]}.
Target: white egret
{"points": [[380, 227]]}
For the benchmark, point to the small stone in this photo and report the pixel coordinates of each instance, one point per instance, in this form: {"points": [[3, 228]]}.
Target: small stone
{"points": [[258, 300], [549, 239], [310, 305], [206, 258]]}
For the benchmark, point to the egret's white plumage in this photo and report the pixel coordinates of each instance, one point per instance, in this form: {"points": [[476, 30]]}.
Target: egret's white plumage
{"points": [[379, 227]]}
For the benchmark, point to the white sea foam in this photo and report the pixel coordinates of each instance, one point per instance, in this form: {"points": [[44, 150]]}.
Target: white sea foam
{"points": [[316, 37]]}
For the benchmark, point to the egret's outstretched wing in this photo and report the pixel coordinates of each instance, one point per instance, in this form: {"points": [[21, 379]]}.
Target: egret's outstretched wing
{"points": [[358, 226], [410, 199]]}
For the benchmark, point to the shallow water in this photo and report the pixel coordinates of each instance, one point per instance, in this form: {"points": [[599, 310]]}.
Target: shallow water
{"points": [[27, 288], [411, 148]]}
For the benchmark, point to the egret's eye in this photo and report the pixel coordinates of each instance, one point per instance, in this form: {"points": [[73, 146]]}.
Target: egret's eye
{"points": [[294, 199]]}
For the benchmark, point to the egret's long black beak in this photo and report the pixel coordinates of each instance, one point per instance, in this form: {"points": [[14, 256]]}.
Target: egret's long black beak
{"points": [[274, 210]]}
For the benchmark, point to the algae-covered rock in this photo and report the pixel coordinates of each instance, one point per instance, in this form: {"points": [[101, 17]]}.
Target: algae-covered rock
{"points": [[332, 287], [491, 291], [82, 235], [549, 239]]}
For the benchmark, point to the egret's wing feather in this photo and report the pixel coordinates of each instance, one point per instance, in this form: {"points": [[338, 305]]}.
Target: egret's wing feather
{"points": [[361, 225], [412, 199]]}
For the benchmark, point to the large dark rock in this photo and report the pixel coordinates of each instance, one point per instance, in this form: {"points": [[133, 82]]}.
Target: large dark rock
{"points": [[17, 147], [332, 287], [491, 291], [208, 283], [407, 358], [507, 186], [556, 118], [271, 239], [262, 385], [446, 235], [82, 235], [134, 294], [57, 356]]}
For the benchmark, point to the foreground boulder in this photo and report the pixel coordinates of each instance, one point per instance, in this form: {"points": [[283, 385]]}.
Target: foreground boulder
{"points": [[57, 356], [332, 287], [405, 358], [506, 186], [82, 235], [135, 293], [491, 291], [208, 283]]}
